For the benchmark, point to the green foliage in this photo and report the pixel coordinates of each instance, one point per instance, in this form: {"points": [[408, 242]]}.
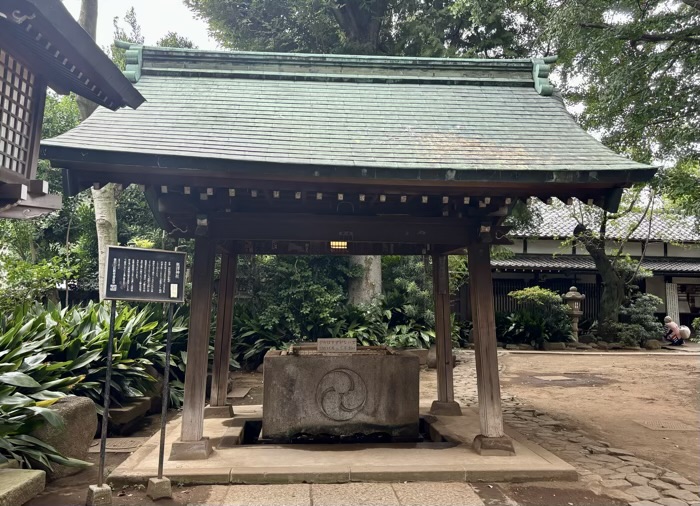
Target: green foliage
{"points": [[637, 321], [75, 342], [302, 295], [29, 384], [407, 284], [24, 280], [47, 352], [633, 66], [411, 28], [173, 39], [540, 317], [681, 186], [131, 33]]}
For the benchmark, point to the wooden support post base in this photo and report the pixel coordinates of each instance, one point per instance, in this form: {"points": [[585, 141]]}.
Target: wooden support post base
{"points": [[445, 408], [218, 412], [191, 450], [493, 446]]}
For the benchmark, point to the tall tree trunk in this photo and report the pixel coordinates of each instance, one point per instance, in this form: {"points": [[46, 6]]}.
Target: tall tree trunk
{"points": [[361, 22], [364, 289], [105, 202], [104, 199], [88, 20], [613, 285]]}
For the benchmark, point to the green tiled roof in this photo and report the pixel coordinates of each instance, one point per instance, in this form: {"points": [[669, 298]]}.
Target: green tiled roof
{"points": [[558, 221], [453, 119], [585, 263]]}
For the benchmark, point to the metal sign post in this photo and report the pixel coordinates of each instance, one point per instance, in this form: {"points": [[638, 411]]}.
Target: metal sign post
{"points": [[166, 381], [105, 408], [141, 275]]}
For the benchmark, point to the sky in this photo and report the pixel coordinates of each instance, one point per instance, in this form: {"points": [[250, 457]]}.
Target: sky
{"points": [[156, 17]]}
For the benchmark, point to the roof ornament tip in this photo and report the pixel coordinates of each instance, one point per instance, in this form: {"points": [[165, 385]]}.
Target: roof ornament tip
{"points": [[122, 44], [540, 74]]}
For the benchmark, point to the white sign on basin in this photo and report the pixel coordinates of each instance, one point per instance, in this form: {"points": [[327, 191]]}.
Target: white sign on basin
{"points": [[342, 345]]}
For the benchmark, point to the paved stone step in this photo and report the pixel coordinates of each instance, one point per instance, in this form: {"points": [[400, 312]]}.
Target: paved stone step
{"points": [[17, 486]]}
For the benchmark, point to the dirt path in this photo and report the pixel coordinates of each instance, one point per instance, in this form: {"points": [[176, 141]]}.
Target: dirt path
{"points": [[609, 394]]}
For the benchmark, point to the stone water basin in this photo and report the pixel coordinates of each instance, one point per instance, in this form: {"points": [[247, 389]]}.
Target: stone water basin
{"points": [[373, 391]]}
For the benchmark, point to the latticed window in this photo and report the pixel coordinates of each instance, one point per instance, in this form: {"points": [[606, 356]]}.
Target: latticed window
{"points": [[16, 103]]}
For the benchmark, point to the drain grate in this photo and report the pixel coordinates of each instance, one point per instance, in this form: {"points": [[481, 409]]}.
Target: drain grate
{"points": [[554, 378], [664, 425]]}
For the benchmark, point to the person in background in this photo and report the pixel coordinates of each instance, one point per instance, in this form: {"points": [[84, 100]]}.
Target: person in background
{"points": [[673, 332]]}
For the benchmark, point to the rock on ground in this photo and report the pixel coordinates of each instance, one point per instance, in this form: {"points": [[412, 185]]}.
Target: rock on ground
{"points": [[74, 438]]}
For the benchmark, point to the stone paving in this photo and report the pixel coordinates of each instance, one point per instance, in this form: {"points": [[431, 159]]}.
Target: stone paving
{"points": [[346, 494], [614, 472]]}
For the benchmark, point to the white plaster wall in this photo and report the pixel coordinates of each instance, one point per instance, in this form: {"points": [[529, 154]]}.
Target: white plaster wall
{"points": [[550, 246], [657, 286], [686, 281], [516, 247], [655, 249], [632, 248], [684, 251]]}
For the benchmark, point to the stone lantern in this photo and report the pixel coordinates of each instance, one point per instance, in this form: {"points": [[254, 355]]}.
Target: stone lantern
{"points": [[574, 299]]}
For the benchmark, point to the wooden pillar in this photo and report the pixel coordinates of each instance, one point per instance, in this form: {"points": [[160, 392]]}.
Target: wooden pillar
{"points": [[445, 404], [492, 440], [192, 444], [224, 322]]}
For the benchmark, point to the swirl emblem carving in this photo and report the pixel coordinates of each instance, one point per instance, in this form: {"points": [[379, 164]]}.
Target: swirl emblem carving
{"points": [[341, 394]]}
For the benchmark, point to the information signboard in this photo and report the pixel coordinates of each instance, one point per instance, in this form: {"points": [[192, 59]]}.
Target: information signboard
{"points": [[341, 345], [146, 275]]}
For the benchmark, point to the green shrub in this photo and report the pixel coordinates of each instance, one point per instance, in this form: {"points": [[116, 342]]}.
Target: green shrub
{"points": [[49, 351], [637, 322], [541, 316], [29, 384]]}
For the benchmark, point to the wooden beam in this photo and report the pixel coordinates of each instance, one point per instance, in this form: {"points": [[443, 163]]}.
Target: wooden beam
{"points": [[38, 187], [270, 247], [37, 117], [224, 321], [14, 191], [443, 333], [307, 227], [198, 340], [484, 332], [84, 173]]}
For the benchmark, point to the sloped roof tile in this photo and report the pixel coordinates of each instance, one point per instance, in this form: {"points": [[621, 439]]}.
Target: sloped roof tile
{"points": [[471, 119], [558, 221], [585, 263]]}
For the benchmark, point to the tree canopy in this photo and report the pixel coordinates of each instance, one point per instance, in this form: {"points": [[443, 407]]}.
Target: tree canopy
{"points": [[407, 27], [633, 70]]}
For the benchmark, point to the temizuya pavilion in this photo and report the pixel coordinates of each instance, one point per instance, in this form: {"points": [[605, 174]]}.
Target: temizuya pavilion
{"points": [[330, 154]]}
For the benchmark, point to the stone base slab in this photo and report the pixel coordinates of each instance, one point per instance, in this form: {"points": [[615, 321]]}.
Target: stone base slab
{"points": [[218, 411], [452, 460], [17, 486], [493, 446], [191, 450], [446, 408]]}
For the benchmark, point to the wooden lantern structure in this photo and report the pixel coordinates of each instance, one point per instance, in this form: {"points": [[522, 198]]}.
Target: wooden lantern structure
{"points": [[42, 45], [253, 153]]}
